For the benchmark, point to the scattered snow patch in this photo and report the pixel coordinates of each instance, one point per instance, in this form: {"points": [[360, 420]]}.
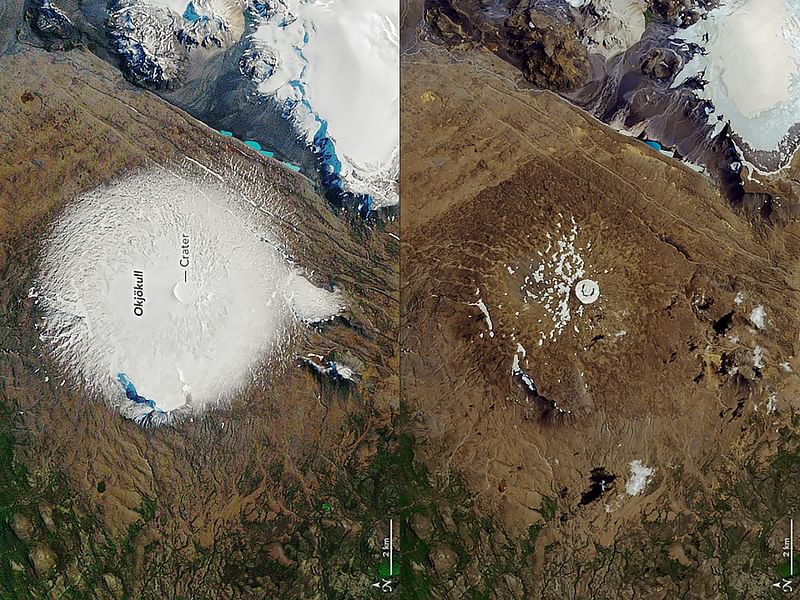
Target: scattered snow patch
{"points": [[553, 277]]}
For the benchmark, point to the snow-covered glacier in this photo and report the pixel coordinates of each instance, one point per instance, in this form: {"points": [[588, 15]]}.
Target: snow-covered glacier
{"points": [[334, 66], [748, 54], [165, 293], [331, 65]]}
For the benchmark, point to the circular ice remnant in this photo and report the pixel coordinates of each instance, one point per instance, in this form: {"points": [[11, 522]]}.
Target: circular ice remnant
{"points": [[162, 294], [587, 291]]}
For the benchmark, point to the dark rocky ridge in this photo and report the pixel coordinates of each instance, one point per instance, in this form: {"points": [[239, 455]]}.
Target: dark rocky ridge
{"points": [[544, 38], [53, 26]]}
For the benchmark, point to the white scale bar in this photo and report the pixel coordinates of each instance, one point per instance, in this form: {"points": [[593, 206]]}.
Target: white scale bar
{"points": [[791, 547], [391, 535]]}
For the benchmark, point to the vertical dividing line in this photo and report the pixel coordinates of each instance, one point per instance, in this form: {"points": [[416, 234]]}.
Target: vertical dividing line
{"points": [[391, 535]]}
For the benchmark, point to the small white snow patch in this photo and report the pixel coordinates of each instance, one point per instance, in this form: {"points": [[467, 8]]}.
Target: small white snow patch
{"points": [[482, 305], [757, 316], [758, 357], [515, 368], [640, 475], [518, 371], [739, 297], [771, 403], [334, 369]]}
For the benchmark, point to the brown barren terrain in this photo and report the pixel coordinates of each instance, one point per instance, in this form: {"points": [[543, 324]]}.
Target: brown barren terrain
{"points": [[670, 367]]}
